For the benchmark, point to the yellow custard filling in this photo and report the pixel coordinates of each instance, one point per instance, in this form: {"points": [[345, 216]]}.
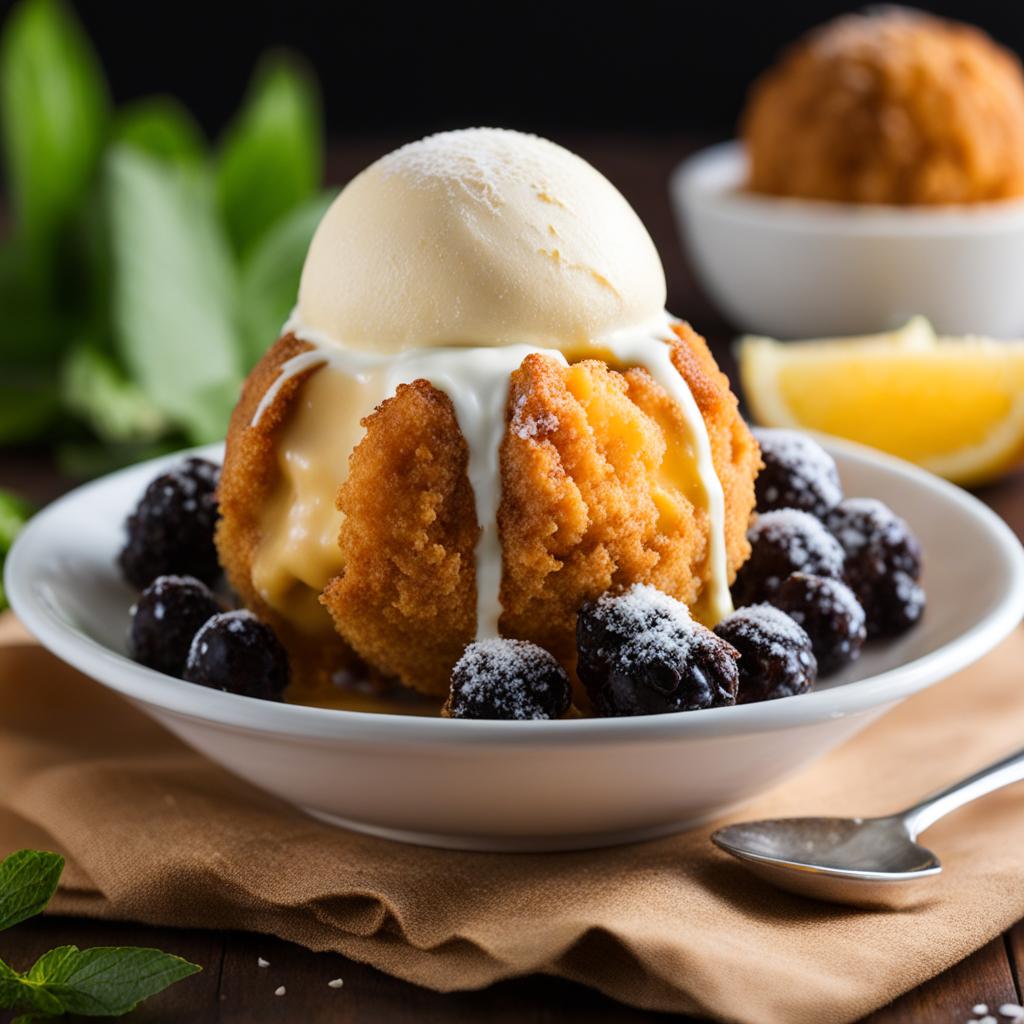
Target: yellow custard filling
{"points": [[298, 552]]}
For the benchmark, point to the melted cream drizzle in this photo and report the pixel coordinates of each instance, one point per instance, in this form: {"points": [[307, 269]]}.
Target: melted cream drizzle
{"points": [[477, 382], [637, 350]]}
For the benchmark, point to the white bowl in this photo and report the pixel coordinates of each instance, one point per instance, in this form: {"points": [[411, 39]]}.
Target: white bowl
{"points": [[523, 785], [795, 268]]}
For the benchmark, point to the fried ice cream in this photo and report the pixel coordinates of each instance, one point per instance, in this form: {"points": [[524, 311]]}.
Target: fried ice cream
{"points": [[890, 106], [589, 501], [534, 432]]}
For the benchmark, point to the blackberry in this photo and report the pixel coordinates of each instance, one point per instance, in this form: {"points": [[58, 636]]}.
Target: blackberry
{"points": [[782, 542], [164, 620], [171, 530], [892, 604], [883, 564], [236, 652], [776, 658], [830, 614], [797, 473], [508, 679], [875, 539], [640, 653]]}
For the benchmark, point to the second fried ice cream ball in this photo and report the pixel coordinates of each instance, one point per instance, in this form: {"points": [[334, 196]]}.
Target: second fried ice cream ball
{"points": [[889, 106]]}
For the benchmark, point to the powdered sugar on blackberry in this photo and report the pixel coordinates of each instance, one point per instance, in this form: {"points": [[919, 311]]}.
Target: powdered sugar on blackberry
{"points": [[803, 538], [195, 479], [798, 472], [765, 623], [236, 623], [835, 597], [521, 668], [159, 588], [865, 521], [909, 593], [648, 625]]}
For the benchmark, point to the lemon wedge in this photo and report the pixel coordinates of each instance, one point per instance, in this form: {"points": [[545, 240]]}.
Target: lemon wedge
{"points": [[952, 405]]}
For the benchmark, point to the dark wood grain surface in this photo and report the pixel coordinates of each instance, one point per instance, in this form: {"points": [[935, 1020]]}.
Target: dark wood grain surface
{"points": [[233, 988]]}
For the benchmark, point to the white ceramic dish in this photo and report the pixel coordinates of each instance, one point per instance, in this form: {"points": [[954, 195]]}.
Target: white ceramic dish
{"points": [[523, 785], [799, 269]]}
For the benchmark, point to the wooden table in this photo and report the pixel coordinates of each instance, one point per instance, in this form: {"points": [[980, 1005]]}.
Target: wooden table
{"points": [[233, 988]]}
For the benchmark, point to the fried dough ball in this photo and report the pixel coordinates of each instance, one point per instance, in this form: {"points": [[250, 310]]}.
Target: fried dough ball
{"points": [[890, 106], [588, 503]]}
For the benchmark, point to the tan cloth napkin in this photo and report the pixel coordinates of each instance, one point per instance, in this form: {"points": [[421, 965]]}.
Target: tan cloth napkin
{"points": [[155, 833]]}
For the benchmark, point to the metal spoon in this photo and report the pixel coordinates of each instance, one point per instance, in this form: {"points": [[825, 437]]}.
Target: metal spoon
{"points": [[868, 862]]}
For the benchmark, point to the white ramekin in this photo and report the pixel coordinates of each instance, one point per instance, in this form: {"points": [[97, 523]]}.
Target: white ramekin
{"points": [[795, 268]]}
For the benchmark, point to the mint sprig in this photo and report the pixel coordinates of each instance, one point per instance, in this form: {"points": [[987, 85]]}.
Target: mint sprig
{"points": [[106, 981], [146, 269], [28, 880]]}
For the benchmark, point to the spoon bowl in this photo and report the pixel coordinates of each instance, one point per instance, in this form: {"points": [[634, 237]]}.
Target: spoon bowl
{"points": [[867, 862]]}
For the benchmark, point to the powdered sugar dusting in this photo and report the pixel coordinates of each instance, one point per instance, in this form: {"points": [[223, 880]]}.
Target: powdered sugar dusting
{"points": [[526, 426], [802, 537], [766, 624], [648, 624], [834, 597], [236, 623], [810, 472], [195, 479], [512, 676], [867, 520], [478, 163], [879, 33]]}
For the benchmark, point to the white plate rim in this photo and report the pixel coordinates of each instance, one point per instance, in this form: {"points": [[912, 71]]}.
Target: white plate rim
{"points": [[148, 687], [694, 181]]}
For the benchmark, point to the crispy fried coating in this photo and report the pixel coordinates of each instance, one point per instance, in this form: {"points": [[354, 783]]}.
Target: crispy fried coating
{"points": [[407, 598], [592, 498], [889, 106], [248, 479]]}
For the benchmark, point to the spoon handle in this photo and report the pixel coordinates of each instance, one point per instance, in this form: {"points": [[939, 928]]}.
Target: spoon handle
{"points": [[938, 805]]}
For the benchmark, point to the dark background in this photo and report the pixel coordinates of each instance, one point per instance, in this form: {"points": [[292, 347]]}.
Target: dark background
{"points": [[556, 68]]}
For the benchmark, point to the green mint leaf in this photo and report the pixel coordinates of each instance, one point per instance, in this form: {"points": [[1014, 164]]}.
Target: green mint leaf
{"points": [[18, 993], [271, 158], [162, 127], [28, 879], [10, 988], [106, 981], [174, 292], [270, 276], [53, 110], [96, 389]]}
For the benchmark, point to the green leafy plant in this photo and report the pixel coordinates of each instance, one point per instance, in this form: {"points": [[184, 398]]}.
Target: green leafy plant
{"points": [[106, 981], [151, 268]]}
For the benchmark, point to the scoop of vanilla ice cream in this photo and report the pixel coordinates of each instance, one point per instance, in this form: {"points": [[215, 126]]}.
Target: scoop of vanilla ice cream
{"points": [[479, 237]]}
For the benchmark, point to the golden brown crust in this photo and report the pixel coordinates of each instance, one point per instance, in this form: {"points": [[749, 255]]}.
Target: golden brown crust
{"points": [[407, 599], [891, 107], [734, 450], [578, 516], [247, 481], [585, 451]]}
